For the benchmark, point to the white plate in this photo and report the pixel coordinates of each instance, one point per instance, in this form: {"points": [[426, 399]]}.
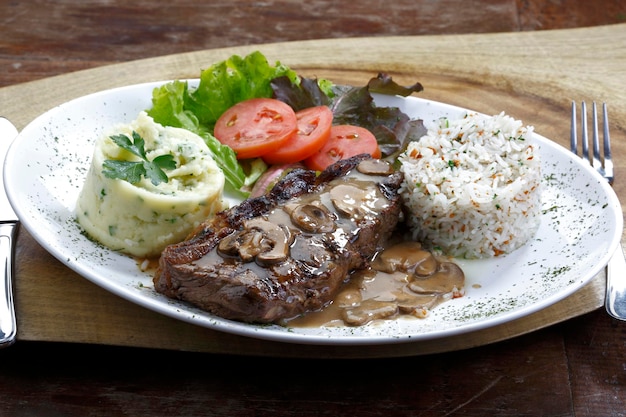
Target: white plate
{"points": [[581, 227]]}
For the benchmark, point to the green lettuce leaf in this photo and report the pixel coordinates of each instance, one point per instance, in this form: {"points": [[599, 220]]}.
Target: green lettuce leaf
{"points": [[231, 81], [221, 86], [168, 107]]}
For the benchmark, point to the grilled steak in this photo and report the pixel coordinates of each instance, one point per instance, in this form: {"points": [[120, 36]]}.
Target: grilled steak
{"points": [[288, 252]]}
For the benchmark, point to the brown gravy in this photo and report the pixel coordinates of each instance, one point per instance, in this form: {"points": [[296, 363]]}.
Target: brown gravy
{"points": [[404, 280]]}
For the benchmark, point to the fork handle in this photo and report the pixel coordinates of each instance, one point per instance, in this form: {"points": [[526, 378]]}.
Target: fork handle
{"points": [[8, 325]]}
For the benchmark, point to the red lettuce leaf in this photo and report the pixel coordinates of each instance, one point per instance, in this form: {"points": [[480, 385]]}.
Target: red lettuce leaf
{"points": [[355, 106]]}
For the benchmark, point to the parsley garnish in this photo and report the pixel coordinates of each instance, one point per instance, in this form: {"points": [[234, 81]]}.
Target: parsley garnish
{"points": [[132, 171]]}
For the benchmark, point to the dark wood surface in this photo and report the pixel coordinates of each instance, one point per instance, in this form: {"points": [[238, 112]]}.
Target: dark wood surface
{"points": [[575, 368], [572, 369]]}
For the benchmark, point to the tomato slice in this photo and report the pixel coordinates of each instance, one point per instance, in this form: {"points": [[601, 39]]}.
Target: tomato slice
{"points": [[256, 126], [312, 133], [344, 141]]}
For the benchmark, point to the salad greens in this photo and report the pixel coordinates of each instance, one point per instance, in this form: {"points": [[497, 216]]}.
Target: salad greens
{"points": [[131, 171], [220, 87], [240, 78]]}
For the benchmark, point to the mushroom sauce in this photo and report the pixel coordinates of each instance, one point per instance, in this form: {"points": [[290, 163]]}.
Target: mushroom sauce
{"points": [[313, 231], [404, 280]]}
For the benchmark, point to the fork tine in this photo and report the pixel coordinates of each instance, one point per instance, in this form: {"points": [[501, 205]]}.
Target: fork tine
{"points": [[573, 135], [608, 159], [597, 162], [583, 128]]}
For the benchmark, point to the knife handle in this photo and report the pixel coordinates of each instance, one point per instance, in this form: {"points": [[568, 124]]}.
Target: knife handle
{"points": [[615, 301], [8, 325]]}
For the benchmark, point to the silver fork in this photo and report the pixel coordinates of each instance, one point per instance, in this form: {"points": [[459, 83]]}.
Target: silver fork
{"points": [[615, 301]]}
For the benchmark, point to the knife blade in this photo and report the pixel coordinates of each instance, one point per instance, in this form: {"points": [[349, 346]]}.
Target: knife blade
{"points": [[9, 225]]}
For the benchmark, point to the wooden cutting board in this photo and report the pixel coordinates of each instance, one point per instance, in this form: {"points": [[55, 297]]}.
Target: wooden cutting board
{"points": [[533, 76]]}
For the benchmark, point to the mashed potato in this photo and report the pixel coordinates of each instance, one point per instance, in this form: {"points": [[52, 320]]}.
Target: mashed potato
{"points": [[141, 219]]}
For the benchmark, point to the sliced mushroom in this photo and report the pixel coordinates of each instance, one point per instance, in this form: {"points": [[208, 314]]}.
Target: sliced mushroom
{"points": [[246, 244], [417, 304], [313, 218], [374, 167], [424, 266], [274, 237], [407, 257], [447, 279], [348, 200], [229, 245], [260, 240], [349, 297], [252, 243], [369, 310]]}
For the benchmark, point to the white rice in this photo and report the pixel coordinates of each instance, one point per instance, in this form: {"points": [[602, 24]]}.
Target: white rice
{"points": [[472, 186]]}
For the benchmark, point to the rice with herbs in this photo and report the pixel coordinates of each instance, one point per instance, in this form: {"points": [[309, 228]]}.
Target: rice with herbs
{"points": [[472, 186]]}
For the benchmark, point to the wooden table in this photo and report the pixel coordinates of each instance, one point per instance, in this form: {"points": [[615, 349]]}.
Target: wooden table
{"points": [[83, 351]]}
